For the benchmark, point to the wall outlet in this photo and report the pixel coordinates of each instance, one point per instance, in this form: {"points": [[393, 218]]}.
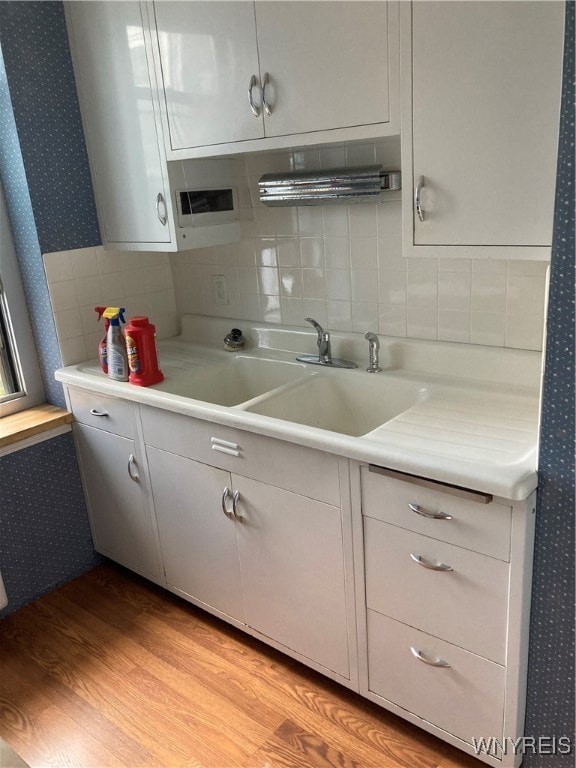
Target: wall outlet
{"points": [[220, 291]]}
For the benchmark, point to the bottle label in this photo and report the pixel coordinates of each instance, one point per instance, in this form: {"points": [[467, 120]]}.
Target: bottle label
{"points": [[103, 355], [117, 366], [133, 359]]}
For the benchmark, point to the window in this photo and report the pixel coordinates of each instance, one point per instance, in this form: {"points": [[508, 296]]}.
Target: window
{"points": [[20, 382]]}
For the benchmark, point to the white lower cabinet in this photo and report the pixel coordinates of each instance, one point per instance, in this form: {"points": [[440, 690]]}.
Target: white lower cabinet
{"points": [[445, 590], [198, 540], [444, 607], [247, 548], [442, 683], [116, 494], [292, 560], [412, 592]]}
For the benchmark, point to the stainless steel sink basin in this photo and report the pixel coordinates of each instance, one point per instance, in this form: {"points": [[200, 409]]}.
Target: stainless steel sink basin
{"points": [[351, 403], [231, 383]]}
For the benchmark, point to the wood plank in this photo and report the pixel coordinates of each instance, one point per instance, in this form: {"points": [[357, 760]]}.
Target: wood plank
{"points": [[32, 421], [112, 670], [87, 717]]}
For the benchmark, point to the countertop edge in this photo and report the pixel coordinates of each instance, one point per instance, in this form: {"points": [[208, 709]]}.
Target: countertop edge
{"points": [[513, 482]]}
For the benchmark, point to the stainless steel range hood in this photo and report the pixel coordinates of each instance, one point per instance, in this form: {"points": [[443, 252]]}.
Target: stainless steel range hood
{"points": [[365, 184]]}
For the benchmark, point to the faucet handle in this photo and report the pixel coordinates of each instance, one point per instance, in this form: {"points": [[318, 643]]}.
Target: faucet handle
{"points": [[319, 330], [324, 350]]}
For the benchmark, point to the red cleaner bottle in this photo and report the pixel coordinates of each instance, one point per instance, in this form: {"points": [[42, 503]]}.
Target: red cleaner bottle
{"points": [[103, 345], [142, 354]]}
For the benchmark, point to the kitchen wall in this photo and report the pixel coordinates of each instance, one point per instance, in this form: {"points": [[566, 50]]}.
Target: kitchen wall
{"points": [[43, 160], [343, 265], [45, 537], [551, 669], [83, 278]]}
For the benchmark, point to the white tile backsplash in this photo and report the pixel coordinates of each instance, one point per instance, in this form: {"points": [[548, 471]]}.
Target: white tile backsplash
{"points": [[341, 264], [81, 279]]}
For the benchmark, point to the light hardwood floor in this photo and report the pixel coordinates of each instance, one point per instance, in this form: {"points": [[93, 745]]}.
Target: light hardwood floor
{"points": [[111, 671]]}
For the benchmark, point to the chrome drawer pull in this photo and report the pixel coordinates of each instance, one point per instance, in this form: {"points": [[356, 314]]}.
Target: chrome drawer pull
{"points": [[94, 412], [432, 566], [253, 107], [418, 198], [265, 103], [225, 495], [431, 515], [131, 463], [225, 443], [225, 446], [223, 449], [162, 217], [432, 662], [234, 509]]}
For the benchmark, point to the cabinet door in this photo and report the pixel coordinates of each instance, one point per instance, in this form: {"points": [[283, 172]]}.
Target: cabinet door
{"points": [[197, 539], [209, 55], [112, 75], [119, 516], [485, 102], [292, 563], [327, 63]]}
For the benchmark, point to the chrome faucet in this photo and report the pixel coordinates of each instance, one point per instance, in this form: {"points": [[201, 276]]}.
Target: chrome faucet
{"points": [[324, 356], [373, 347], [324, 347]]}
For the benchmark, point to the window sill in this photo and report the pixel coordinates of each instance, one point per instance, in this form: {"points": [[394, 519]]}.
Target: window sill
{"points": [[31, 426]]}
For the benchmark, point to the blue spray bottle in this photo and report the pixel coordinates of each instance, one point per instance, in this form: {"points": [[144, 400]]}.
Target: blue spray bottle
{"points": [[116, 344]]}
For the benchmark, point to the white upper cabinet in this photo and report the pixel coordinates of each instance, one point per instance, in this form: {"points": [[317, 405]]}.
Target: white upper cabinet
{"points": [[257, 73], [327, 64], [480, 109], [209, 56], [124, 146]]}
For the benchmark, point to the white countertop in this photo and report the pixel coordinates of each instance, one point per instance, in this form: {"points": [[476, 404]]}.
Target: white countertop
{"points": [[477, 426]]}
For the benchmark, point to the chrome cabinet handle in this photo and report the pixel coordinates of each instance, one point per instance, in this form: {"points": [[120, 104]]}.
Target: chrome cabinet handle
{"points": [[234, 507], [225, 495], [225, 446], [432, 662], [131, 463], [432, 566], [430, 515], [265, 104], [163, 218], [417, 198], [94, 412], [253, 82]]}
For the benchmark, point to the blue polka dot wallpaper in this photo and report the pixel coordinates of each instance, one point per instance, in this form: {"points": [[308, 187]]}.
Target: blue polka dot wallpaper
{"points": [[551, 669], [45, 537], [19, 208], [45, 103]]}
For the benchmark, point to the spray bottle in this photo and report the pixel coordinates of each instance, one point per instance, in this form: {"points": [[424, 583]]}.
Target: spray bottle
{"points": [[116, 345], [102, 346]]}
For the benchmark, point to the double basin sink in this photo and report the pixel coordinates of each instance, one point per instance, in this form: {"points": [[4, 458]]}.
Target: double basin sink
{"points": [[350, 402]]}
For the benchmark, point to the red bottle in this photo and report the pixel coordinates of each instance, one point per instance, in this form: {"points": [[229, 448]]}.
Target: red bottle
{"points": [[103, 345], [142, 355]]}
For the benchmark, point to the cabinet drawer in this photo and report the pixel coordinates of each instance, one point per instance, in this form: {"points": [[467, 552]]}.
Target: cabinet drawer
{"points": [[102, 412], [467, 606], [480, 527], [465, 699], [285, 465]]}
